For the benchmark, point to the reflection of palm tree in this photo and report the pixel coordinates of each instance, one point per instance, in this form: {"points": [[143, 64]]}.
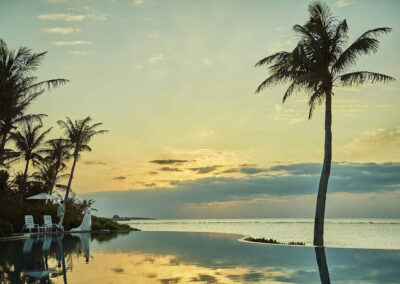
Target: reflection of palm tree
{"points": [[28, 142], [315, 65], [18, 88], [322, 265], [79, 133], [61, 257]]}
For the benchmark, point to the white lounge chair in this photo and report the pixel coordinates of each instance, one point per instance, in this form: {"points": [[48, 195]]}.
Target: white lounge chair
{"points": [[29, 225], [48, 223]]}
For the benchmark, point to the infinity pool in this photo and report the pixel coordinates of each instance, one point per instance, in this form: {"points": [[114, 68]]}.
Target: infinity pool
{"points": [[179, 257]]}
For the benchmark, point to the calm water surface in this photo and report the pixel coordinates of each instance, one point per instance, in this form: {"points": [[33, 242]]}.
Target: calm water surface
{"points": [[182, 257], [345, 233]]}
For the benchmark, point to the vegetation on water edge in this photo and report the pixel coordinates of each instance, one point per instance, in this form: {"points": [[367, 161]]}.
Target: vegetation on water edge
{"points": [[272, 241], [101, 223]]}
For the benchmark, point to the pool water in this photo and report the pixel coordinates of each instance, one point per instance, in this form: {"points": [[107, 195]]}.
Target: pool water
{"points": [[182, 257]]}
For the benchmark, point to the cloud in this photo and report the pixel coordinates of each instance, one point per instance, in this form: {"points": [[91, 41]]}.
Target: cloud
{"points": [[206, 61], [153, 173], [168, 169], [74, 42], [81, 52], [63, 31], [56, 1], [170, 161], [248, 169], [206, 133], [94, 163], [374, 139], [291, 184], [153, 35], [343, 3], [205, 170], [138, 2], [95, 15], [62, 16], [119, 178], [289, 115], [252, 170], [155, 58]]}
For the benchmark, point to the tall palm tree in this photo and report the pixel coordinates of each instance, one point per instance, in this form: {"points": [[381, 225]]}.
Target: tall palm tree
{"points": [[19, 88], [55, 155], [318, 63], [79, 133], [28, 142]]}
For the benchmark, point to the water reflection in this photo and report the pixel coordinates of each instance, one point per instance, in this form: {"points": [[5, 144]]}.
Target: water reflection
{"points": [[322, 265], [168, 257]]}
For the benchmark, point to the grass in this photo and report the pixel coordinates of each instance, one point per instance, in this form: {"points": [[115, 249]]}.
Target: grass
{"points": [[272, 241]]}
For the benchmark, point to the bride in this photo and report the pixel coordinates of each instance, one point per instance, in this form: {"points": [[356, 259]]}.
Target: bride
{"points": [[86, 224]]}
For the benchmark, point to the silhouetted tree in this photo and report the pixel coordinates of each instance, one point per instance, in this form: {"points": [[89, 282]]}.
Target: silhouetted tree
{"points": [[316, 65], [55, 156], [28, 142], [18, 88], [79, 133]]}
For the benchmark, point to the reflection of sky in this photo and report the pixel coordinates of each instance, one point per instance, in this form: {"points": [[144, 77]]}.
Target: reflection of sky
{"points": [[172, 257]]}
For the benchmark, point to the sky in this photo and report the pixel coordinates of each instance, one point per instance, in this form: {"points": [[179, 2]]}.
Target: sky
{"points": [[174, 82]]}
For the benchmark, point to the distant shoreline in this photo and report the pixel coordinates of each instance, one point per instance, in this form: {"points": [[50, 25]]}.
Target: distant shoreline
{"points": [[117, 218]]}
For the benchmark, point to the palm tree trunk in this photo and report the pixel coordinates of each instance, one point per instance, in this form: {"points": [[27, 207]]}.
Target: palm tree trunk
{"points": [[2, 146], [70, 179], [53, 182], [25, 176], [326, 169]]}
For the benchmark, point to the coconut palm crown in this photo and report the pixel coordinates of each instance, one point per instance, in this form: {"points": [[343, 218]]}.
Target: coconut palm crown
{"points": [[19, 88], [28, 142], [79, 133], [321, 61], [56, 154]]}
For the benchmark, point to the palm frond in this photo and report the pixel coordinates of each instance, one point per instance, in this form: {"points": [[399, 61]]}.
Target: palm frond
{"points": [[367, 43], [315, 98], [361, 77], [277, 57]]}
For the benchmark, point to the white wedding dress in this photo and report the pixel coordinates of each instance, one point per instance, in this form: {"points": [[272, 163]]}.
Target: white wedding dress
{"points": [[86, 224]]}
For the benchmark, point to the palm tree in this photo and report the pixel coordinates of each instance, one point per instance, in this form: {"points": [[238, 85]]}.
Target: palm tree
{"points": [[48, 175], [318, 63], [19, 88], [55, 155], [79, 133], [28, 142]]}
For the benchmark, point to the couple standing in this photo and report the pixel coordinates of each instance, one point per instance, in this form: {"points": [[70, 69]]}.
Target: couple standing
{"points": [[86, 224]]}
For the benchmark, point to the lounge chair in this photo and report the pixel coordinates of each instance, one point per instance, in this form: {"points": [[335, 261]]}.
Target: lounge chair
{"points": [[29, 225], [48, 223]]}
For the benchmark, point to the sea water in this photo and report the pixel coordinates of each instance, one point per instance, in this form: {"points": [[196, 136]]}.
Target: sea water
{"points": [[345, 233]]}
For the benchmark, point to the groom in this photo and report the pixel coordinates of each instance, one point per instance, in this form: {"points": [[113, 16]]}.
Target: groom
{"points": [[60, 214]]}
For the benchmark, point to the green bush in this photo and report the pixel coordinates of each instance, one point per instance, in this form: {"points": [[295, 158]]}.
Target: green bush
{"points": [[6, 228]]}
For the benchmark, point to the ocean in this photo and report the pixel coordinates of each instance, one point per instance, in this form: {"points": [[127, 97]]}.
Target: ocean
{"points": [[343, 233]]}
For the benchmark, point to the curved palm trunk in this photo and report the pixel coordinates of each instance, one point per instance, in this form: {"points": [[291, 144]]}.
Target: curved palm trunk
{"points": [[53, 182], [326, 169], [70, 179]]}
